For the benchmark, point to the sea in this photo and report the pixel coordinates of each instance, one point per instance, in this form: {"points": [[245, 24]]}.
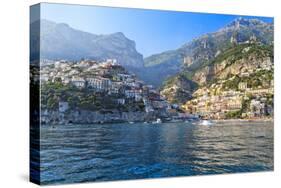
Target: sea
{"points": [[105, 152]]}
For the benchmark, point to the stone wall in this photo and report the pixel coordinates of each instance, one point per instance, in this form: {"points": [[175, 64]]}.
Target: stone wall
{"points": [[88, 117]]}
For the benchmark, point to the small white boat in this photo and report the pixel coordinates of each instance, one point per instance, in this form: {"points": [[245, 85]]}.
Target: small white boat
{"points": [[157, 121], [205, 122], [131, 122]]}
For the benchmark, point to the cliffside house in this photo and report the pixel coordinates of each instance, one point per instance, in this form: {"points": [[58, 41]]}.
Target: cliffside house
{"points": [[78, 82], [99, 83]]}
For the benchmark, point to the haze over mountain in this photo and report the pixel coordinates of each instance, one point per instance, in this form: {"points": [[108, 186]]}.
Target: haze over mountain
{"points": [[60, 41]]}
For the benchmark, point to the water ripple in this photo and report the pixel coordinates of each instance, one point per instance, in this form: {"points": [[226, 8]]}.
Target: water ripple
{"points": [[81, 153]]}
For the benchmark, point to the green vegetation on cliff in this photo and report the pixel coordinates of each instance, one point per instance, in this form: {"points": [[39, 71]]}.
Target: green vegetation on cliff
{"points": [[259, 79], [238, 52], [178, 88], [85, 99]]}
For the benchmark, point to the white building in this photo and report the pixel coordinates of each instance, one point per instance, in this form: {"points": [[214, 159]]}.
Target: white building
{"points": [[129, 93], [44, 78], [99, 83], [78, 82], [242, 85], [121, 101]]}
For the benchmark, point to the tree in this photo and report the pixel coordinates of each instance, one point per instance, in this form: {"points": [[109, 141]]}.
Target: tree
{"points": [[52, 103]]}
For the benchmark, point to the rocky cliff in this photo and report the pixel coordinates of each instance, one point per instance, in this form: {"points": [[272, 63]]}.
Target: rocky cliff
{"points": [[238, 60], [178, 89], [242, 62]]}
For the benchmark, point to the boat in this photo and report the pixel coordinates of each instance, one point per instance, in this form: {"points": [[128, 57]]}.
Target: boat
{"points": [[205, 122], [158, 121], [131, 122]]}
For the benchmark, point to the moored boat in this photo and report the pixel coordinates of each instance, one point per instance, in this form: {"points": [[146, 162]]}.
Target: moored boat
{"points": [[158, 121], [205, 122]]}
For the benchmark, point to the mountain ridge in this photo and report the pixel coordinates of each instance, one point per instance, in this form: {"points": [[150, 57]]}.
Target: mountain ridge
{"points": [[204, 48], [60, 41]]}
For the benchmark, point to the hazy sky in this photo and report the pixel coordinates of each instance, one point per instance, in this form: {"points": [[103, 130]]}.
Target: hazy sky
{"points": [[153, 31]]}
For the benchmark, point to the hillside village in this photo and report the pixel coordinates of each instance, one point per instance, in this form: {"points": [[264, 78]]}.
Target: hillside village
{"points": [[238, 83], [104, 88], [212, 103], [240, 88]]}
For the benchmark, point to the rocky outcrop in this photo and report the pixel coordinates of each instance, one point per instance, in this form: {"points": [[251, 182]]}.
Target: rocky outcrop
{"points": [[202, 76], [90, 117], [247, 63], [178, 89]]}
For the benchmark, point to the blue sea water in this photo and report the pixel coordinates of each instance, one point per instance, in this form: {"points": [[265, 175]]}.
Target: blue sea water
{"points": [[83, 153]]}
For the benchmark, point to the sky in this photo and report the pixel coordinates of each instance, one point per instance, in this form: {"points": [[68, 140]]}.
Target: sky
{"points": [[154, 31]]}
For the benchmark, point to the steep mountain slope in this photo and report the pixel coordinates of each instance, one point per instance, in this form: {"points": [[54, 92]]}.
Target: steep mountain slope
{"points": [[194, 54], [244, 58], [60, 41], [178, 89], [249, 63]]}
